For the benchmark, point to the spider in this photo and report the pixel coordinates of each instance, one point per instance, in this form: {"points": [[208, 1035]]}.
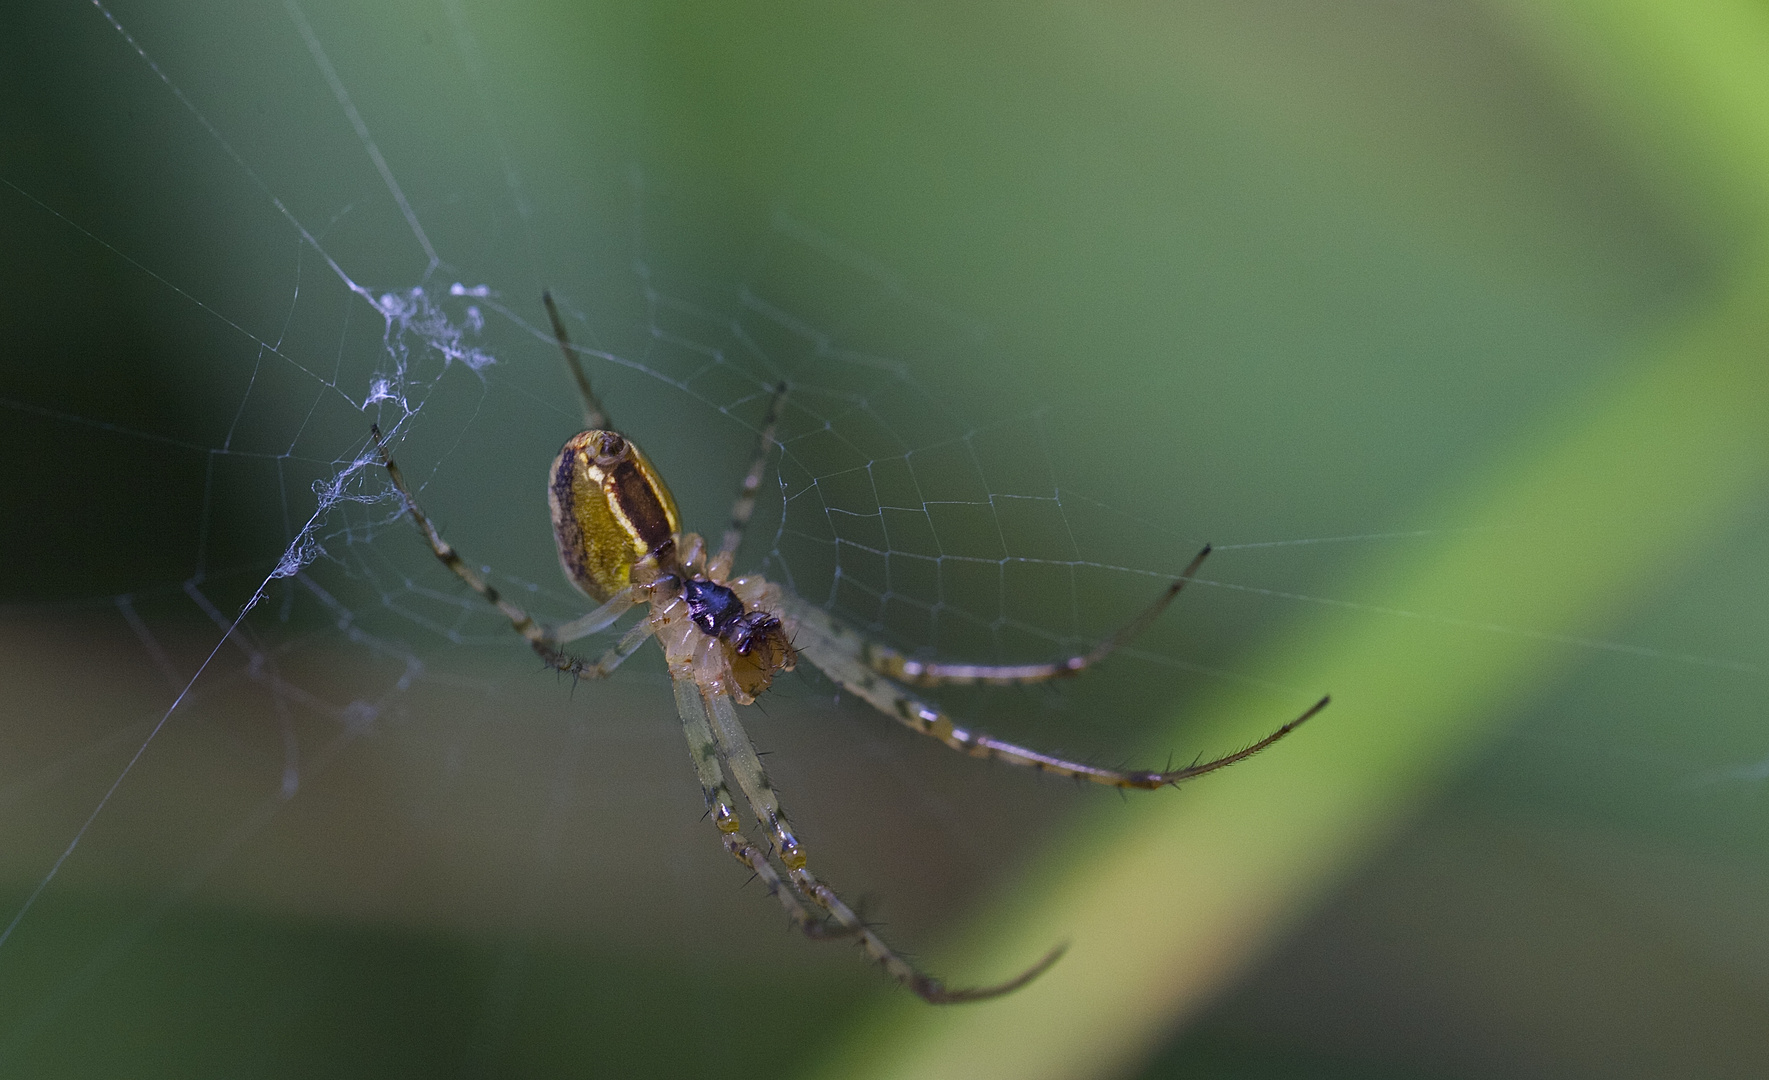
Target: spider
{"points": [[725, 638]]}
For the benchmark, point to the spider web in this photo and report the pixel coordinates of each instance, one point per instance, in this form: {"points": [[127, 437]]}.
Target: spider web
{"points": [[313, 639], [315, 675]]}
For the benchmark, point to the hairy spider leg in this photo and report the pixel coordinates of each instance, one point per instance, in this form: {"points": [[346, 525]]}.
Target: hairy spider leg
{"points": [[629, 643], [893, 664], [745, 506], [703, 749], [739, 754], [836, 650], [595, 417], [543, 639]]}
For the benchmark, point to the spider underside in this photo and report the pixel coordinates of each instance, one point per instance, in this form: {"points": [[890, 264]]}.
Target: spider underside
{"points": [[725, 638]]}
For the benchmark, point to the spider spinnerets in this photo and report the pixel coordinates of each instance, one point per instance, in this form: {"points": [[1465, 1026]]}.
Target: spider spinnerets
{"points": [[725, 638]]}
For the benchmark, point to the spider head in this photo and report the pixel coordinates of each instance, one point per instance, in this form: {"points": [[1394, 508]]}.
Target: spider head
{"points": [[757, 649]]}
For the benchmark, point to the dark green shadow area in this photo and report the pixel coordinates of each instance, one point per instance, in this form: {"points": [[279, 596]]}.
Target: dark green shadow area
{"points": [[200, 992], [1227, 1058]]}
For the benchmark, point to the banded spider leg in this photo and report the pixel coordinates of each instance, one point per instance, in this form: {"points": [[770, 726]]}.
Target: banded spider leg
{"points": [[870, 671]]}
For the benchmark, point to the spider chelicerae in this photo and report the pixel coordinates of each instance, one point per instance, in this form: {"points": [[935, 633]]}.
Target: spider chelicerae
{"points": [[621, 543]]}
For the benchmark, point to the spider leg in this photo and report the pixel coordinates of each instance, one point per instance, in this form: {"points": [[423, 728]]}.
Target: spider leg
{"points": [[595, 417], [735, 748], [893, 664], [703, 749], [615, 656], [542, 638], [752, 480], [840, 663], [596, 621]]}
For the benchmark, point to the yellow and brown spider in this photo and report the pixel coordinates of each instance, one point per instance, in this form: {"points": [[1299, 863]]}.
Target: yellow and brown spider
{"points": [[621, 543]]}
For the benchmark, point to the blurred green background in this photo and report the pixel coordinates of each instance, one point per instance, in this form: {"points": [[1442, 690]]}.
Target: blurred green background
{"points": [[1474, 287]]}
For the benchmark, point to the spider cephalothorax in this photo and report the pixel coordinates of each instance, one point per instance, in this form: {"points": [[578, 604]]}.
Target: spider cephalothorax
{"points": [[621, 542], [756, 643]]}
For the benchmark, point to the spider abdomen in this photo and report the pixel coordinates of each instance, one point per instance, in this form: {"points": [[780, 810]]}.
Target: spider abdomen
{"points": [[610, 509]]}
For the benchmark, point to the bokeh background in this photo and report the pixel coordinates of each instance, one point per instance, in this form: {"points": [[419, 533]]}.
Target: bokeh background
{"points": [[1443, 320]]}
